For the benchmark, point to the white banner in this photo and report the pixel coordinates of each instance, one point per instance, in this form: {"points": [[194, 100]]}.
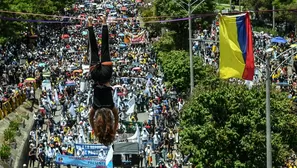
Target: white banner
{"points": [[131, 110], [131, 102]]}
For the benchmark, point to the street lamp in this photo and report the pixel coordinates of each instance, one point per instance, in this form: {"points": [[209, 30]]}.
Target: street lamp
{"points": [[190, 11]]}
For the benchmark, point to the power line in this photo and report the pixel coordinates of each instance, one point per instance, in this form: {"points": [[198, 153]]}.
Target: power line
{"points": [[151, 21]]}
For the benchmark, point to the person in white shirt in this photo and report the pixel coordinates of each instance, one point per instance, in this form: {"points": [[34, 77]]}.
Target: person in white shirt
{"points": [[80, 139], [180, 105], [148, 153], [32, 134], [89, 132], [151, 117], [178, 157], [145, 135], [51, 153], [156, 140]]}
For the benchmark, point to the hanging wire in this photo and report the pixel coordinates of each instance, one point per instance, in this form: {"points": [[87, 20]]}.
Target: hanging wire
{"points": [[168, 18]]}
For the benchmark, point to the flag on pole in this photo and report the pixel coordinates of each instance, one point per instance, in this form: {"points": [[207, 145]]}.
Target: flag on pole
{"points": [[109, 156], [48, 99], [115, 97], [131, 110], [72, 110], [138, 133], [88, 99], [236, 47], [56, 96], [131, 102]]}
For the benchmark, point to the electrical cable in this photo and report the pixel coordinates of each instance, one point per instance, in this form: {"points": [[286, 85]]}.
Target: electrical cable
{"points": [[152, 21]]}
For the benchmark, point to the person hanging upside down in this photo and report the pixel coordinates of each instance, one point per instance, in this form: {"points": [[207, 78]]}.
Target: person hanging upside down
{"points": [[103, 115]]}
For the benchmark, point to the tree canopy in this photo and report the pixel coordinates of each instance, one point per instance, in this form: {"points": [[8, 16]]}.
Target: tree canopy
{"points": [[176, 64], [223, 125], [283, 12], [170, 9], [166, 42], [12, 29], [176, 67]]}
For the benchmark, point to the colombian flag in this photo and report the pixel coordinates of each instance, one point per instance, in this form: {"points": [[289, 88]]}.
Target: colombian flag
{"points": [[236, 47]]}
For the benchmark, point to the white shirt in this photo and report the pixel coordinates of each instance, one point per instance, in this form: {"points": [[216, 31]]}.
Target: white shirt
{"points": [[90, 129], [148, 151], [156, 140], [51, 153], [151, 116], [144, 134]]}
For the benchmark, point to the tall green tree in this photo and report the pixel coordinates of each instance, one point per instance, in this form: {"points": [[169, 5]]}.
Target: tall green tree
{"points": [[176, 68], [223, 125], [13, 29], [173, 9], [166, 42], [280, 5]]}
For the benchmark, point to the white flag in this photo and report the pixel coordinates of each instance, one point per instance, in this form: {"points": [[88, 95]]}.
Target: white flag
{"points": [[131, 110], [89, 96], [109, 156], [72, 110], [131, 102], [115, 97], [56, 96], [138, 133]]}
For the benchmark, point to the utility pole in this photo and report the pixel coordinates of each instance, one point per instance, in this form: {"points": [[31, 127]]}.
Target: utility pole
{"points": [[268, 121], [190, 11], [273, 17], [190, 48]]}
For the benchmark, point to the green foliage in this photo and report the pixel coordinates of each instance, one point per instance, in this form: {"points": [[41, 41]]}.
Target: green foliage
{"points": [[169, 9], [176, 67], [13, 29], [14, 125], [9, 134], [224, 126], [4, 152], [166, 42], [224, 1], [266, 30], [281, 5]]}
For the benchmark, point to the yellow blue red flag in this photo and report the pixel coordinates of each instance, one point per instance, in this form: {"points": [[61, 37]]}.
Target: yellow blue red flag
{"points": [[236, 47]]}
